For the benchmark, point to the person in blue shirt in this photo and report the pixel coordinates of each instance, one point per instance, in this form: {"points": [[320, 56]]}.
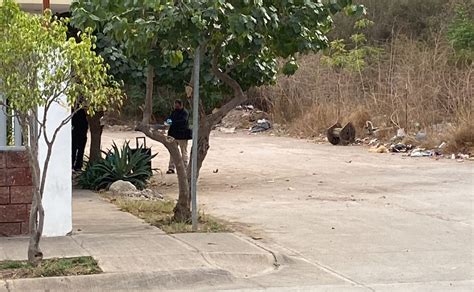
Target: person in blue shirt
{"points": [[179, 130]]}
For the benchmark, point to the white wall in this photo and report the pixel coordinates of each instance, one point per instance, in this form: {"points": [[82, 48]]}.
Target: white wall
{"points": [[57, 199]]}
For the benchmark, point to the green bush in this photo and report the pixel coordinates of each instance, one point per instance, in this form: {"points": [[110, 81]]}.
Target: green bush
{"points": [[119, 164], [461, 34]]}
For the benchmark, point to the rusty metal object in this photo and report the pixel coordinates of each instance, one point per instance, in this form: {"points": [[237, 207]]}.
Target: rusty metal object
{"points": [[338, 135]]}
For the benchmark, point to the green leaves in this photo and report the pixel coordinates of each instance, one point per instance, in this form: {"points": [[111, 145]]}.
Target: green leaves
{"points": [[119, 164], [39, 64], [248, 36], [461, 35], [290, 67]]}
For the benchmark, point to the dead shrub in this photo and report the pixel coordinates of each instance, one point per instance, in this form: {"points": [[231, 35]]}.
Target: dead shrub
{"points": [[412, 83], [462, 139], [359, 119]]}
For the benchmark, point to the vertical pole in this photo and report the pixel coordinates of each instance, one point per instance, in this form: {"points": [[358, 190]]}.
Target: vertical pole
{"points": [[197, 64], [46, 5]]}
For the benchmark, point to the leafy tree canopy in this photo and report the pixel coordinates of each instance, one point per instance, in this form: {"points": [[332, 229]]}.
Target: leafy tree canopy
{"points": [[243, 38], [38, 63]]}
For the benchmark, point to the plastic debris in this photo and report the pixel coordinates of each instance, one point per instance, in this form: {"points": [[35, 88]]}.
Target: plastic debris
{"points": [[421, 153], [400, 148], [261, 126]]}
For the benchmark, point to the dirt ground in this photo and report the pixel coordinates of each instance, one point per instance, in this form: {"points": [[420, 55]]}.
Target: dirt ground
{"points": [[367, 218]]}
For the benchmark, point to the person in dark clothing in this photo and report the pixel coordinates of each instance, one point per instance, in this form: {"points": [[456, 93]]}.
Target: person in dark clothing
{"points": [[80, 126], [179, 130]]}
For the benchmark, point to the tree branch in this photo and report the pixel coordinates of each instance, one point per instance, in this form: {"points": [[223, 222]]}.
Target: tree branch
{"points": [[239, 94]]}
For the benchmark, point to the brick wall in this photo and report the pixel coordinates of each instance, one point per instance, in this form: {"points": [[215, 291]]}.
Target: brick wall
{"points": [[15, 193]]}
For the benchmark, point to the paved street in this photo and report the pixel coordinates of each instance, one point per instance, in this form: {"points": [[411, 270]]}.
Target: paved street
{"points": [[377, 221], [309, 218]]}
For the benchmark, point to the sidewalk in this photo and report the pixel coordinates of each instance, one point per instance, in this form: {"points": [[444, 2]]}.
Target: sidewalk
{"points": [[135, 255]]}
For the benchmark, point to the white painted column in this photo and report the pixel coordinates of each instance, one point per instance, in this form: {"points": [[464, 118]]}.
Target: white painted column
{"points": [[17, 131], [57, 199], [3, 124]]}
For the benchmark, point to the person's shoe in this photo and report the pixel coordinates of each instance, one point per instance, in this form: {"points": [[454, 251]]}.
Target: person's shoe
{"points": [[170, 171]]}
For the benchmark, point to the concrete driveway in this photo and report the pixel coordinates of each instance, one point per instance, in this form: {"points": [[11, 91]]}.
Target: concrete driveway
{"points": [[375, 221]]}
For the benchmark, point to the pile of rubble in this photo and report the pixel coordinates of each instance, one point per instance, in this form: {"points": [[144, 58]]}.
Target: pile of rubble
{"points": [[127, 189], [245, 118]]}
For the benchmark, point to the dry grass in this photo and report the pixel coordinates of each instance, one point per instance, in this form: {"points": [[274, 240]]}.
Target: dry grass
{"points": [[160, 214], [411, 83], [462, 139], [49, 268]]}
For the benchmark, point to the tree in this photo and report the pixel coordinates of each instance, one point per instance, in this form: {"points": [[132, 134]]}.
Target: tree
{"points": [[134, 27], [351, 56], [41, 67], [461, 33], [241, 43]]}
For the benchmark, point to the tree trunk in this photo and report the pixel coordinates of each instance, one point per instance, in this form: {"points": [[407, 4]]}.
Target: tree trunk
{"points": [[182, 211], [203, 148], [96, 136], [148, 109], [36, 221]]}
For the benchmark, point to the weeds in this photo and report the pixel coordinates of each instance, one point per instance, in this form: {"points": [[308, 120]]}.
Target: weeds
{"points": [[160, 214], [49, 268]]}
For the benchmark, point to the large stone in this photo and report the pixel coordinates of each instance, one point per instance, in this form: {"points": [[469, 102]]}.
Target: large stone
{"points": [[121, 187]]}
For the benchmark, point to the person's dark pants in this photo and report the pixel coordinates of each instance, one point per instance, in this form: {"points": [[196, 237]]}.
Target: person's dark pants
{"points": [[79, 140]]}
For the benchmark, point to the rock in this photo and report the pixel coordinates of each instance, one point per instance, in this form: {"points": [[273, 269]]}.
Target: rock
{"points": [[121, 187]]}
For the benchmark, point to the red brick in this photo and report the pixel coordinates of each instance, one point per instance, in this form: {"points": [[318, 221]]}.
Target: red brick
{"points": [[18, 159], [3, 159], [21, 194], [13, 213], [10, 229], [19, 177], [4, 196], [3, 177], [25, 228]]}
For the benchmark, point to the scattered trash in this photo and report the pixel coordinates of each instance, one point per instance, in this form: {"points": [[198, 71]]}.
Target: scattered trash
{"points": [[400, 148], [399, 137], [374, 142], [242, 117], [442, 145], [216, 171], [291, 189], [338, 135], [261, 126], [379, 149], [227, 130], [419, 152]]}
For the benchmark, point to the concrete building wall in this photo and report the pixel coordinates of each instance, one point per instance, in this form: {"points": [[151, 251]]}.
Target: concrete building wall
{"points": [[57, 199]]}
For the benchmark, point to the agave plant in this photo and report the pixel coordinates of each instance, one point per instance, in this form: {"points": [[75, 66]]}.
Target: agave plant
{"points": [[132, 165]]}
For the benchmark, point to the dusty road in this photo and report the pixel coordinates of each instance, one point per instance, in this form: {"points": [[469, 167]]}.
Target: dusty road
{"points": [[376, 220]]}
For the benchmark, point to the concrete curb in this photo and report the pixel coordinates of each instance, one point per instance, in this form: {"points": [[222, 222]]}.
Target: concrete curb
{"points": [[178, 279]]}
